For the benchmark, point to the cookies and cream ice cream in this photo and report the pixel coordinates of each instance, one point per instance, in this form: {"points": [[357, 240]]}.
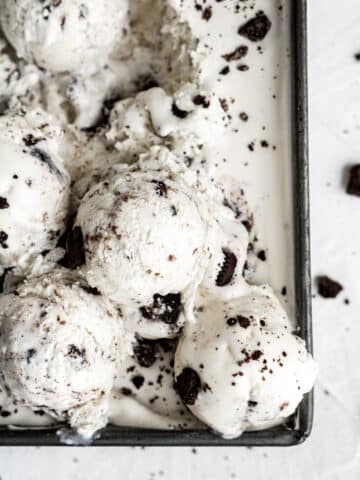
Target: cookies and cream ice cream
{"points": [[240, 367], [144, 193], [34, 189], [60, 345], [144, 235], [64, 36]]}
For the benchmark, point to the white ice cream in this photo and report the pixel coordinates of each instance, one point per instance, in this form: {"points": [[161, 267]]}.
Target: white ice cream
{"points": [[157, 104], [34, 189], [189, 124], [240, 367], [144, 395], [59, 347], [67, 35], [144, 234]]}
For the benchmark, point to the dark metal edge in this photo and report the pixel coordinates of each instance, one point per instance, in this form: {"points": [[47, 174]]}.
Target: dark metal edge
{"points": [[278, 436]]}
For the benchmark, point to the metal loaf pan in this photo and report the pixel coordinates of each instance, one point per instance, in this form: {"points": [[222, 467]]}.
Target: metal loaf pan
{"points": [[298, 428]]}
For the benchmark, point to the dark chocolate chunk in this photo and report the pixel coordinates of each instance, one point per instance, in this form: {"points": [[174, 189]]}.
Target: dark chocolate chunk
{"points": [[242, 67], [231, 321], [357, 56], [224, 104], [138, 381], [160, 188], [201, 100], [165, 308], [225, 70], [252, 404], [262, 255], [244, 322], [5, 413], [29, 140], [248, 223], [256, 355], [228, 268], [126, 392], [4, 203], [29, 354], [239, 319], [178, 112], [244, 116], [207, 13], [145, 352], [327, 287], [3, 238], [237, 54], [256, 28], [75, 352], [40, 413], [188, 385], [90, 290], [353, 186], [75, 249]]}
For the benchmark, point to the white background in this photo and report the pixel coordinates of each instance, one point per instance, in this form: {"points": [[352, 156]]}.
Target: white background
{"points": [[333, 451]]}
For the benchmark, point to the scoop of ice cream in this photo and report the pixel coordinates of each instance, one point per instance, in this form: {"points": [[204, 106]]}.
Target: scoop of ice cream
{"points": [[189, 124], [59, 343], [34, 191], [67, 35], [144, 235], [240, 367]]}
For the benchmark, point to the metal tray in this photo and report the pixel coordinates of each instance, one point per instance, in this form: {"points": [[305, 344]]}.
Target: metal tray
{"points": [[298, 428]]}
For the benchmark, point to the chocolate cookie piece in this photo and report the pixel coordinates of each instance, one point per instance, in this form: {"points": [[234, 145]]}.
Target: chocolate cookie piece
{"points": [[327, 287], [353, 185], [4, 203], [145, 352], [161, 188], [188, 385], [138, 381], [75, 249], [165, 308], [228, 268], [178, 112], [201, 100], [244, 322], [207, 13], [237, 54], [262, 255], [256, 28]]}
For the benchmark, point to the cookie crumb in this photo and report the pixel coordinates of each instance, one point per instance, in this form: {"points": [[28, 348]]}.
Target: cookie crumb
{"points": [[353, 185], [327, 287], [256, 28]]}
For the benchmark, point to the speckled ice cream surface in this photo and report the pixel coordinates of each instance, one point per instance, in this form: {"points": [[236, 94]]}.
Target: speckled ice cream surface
{"points": [[165, 154]]}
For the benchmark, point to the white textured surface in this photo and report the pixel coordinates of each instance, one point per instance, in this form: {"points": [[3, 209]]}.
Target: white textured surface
{"points": [[333, 451]]}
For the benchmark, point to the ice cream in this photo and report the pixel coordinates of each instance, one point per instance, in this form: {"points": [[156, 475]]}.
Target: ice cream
{"points": [[175, 131], [59, 347], [144, 393], [67, 35], [34, 189], [188, 123], [239, 367], [144, 235]]}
